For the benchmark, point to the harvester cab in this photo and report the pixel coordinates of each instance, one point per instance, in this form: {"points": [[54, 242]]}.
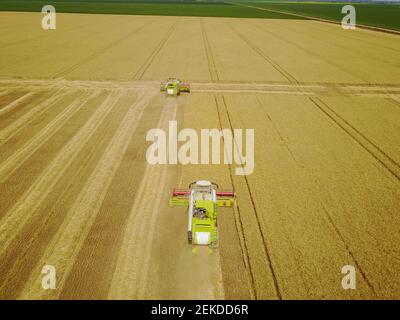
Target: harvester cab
{"points": [[174, 87], [202, 199]]}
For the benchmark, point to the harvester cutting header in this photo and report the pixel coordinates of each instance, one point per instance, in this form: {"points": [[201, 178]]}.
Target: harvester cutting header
{"points": [[174, 86], [202, 199]]}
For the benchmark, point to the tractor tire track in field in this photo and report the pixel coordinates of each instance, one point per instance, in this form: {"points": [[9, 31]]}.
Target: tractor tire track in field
{"points": [[50, 214], [264, 87], [212, 68], [374, 150], [262, 54], [239, 223], [142, 70], [395, 100], [350, 252], [265, 246], [279, 133], [314, 89], [334, 43], [360, 39], [100, 51], [257, 216], [311, 53]]}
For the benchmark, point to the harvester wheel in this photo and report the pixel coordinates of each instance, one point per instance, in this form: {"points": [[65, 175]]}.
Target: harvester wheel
{"points": [[214, 240], [213, 245]]}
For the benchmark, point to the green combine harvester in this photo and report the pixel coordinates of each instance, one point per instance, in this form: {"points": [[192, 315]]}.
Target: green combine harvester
{"points": [[202, 199], [174, 87]]}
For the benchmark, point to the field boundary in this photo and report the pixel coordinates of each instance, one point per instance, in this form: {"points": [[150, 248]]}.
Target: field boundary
{"points": [[361, 26]]}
